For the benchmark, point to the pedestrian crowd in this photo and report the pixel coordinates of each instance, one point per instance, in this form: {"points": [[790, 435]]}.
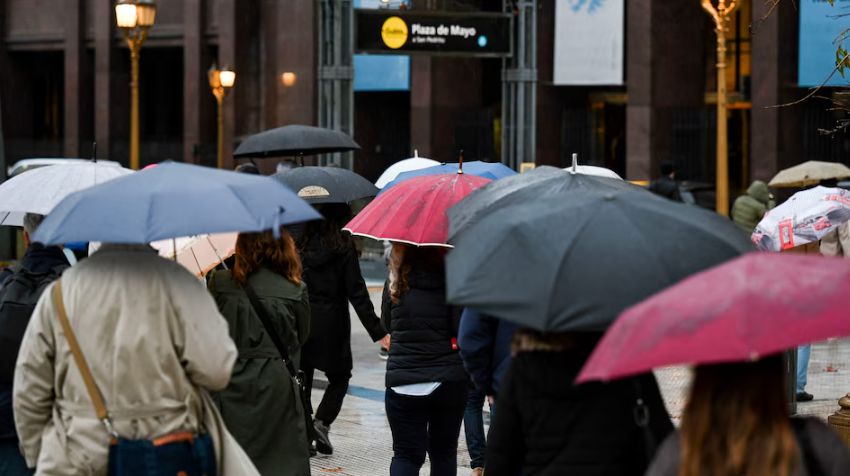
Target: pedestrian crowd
{"points": [[125, 364]]}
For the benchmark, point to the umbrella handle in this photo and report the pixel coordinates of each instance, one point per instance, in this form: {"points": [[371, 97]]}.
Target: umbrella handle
{"points": [[216, 252]]}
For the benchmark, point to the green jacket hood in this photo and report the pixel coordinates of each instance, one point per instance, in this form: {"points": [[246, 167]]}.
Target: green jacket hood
{"points": [[759, 191]]}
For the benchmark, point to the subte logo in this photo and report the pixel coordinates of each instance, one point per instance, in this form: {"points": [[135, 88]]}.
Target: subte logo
{"points": [[394, 32]]}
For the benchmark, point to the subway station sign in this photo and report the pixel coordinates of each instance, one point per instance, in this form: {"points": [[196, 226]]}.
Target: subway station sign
{"points": [[459, 34]]}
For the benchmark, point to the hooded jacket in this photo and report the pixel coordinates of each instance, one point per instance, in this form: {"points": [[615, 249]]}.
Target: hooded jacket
{"points": [[333, 277], [37, 259], [422, 326], [548, 426], [749, 209]]}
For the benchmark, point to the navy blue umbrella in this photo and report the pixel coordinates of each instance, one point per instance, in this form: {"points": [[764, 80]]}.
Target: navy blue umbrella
{"points": [[488, 170], [173, 200]]}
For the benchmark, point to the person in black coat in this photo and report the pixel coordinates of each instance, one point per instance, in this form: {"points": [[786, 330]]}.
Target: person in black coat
{"points": [[426, 383], [548, 426], [666, 185], [332, 274]]}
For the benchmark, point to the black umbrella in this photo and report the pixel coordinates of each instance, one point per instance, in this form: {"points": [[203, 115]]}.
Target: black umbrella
{"points": [[290, 141], [560, 265], [327, 184], [541, 182]]}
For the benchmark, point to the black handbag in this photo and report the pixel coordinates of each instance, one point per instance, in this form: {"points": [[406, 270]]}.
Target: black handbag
{"points": [[296, 374]]}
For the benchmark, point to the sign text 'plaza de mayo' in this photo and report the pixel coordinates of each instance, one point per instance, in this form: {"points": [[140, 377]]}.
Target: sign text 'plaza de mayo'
{"points": [[466, 34]]}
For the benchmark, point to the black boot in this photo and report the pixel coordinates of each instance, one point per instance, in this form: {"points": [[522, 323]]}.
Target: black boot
{"points": [[323, 443]]}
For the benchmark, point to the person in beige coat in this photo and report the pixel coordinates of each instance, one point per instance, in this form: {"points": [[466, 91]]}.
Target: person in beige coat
{"points": [[155, 342], [837, 243]]}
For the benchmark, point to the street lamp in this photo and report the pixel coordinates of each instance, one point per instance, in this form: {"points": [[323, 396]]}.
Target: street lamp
{"points": [[720, 15], [134, 17], [220, 82]]}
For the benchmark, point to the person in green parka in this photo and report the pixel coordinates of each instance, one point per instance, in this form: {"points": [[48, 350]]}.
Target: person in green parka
{"points": [[261, 406], [749, 209]]}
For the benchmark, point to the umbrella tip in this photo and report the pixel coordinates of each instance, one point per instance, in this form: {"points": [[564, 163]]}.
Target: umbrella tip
{"points": [[575, 164], [460, 163], [416, 153], [94, 152]]}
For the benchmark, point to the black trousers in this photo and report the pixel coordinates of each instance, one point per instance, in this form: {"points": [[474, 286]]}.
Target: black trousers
{"points": [[429, 424], [331, 403]]}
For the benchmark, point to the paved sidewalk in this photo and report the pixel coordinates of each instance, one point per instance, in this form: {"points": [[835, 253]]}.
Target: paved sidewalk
{"points": [[363, 442]]}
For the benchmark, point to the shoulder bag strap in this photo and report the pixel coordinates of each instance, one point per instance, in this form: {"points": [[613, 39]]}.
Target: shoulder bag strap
{"points": [[270, 330], [91, 387]]}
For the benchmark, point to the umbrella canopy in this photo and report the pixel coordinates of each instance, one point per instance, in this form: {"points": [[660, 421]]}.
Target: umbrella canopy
{"points": [[807, 216], [591, 170], [809, 173], [40, 190], [405, 165], [564, 265], [173, 200], [327, 184], [415, 212], [757, 305], [199, 254], [290, 141], [529, 187], [488, 170]]}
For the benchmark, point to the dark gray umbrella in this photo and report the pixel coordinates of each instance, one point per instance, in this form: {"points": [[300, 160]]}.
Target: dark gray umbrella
{"points": [[541, 182], [291, 141], [327, 184], [561, 264]]}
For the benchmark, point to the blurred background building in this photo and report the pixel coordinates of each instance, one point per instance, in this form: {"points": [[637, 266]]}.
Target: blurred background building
{"points": [[626, 84]]}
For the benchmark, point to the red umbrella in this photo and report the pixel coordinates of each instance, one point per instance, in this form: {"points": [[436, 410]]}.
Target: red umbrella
{"points": [[756, 305], [414, 211]]}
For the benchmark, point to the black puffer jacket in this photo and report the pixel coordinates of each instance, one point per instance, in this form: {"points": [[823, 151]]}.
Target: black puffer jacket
{"points": [[422, 326], [333, 279], [547, 426]]}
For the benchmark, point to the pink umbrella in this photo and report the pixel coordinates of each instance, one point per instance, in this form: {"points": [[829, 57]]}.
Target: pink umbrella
{"points": [[414, 211], [756, 305]]}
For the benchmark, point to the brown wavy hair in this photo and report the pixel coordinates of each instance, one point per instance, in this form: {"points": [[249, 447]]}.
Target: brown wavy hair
{"points": [[736, 422], [402, 260], [255, 250]]}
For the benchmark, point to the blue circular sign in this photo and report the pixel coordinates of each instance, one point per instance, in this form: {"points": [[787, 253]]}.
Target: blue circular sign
{"points": [[482, 41]]}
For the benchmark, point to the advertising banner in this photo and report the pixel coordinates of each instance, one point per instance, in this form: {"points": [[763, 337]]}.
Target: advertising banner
{"points": [[380, 72], [589, 39], [819, 29]]}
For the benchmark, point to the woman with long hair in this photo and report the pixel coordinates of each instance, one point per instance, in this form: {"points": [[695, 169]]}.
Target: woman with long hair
{"points": [[736, 424], [547, 425], [261, 406], [426, 383], [332, 273]]}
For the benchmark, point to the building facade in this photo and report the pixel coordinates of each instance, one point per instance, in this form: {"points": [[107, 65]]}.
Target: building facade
{"points": [[65, 72]]}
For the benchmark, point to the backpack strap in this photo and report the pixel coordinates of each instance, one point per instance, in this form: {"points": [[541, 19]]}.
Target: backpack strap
{"points": [[810, 459], [91, 386]]}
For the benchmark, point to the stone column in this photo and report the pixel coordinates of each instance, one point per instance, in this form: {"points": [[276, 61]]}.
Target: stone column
{"points": [[104, 89], [776, 139], [421, 97], [195, 83], [665, 71], [74, 75], [227, 54]]}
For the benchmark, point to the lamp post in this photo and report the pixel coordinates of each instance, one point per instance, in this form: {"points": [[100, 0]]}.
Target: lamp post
{"points": [[221, 80], [720, 14], [134, 17]]}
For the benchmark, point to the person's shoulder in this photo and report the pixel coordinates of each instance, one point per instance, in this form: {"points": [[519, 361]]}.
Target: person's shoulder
{"points": [[222, 281], [830, 450]]}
